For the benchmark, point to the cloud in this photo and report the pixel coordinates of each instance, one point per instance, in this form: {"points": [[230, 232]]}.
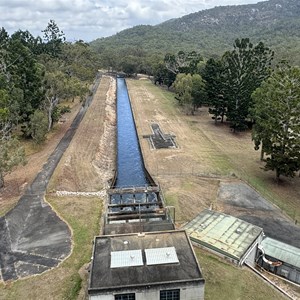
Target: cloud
{"points": [[90, 19]]}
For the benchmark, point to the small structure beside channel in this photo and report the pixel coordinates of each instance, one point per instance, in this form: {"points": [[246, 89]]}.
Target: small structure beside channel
{"points": [[152, 265]]}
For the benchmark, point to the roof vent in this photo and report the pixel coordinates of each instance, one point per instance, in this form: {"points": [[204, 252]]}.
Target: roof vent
{"points": [[239, 230]]}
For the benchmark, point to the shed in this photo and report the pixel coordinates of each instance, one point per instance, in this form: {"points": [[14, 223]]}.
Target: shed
{"points": [[229, 237], [281, 259]]}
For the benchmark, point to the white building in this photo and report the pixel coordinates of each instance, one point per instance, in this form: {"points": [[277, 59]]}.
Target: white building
{"points": [[148, 266]]}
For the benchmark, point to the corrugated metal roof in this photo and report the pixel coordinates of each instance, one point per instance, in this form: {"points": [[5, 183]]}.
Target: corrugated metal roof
{"points": [[131, 258], [223, 233], [160, 256], [281, 251]]}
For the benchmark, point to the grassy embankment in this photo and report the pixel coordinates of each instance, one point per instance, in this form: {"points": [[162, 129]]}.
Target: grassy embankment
{"points": [[207, 149]]}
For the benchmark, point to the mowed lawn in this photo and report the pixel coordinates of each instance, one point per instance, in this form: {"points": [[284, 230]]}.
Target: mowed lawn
{"points": [[206, 148], [224, 281], [190, 176]]}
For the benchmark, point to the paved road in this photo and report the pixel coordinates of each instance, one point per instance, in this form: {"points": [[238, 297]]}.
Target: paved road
{"points": [[33, 238], [241, 201]]}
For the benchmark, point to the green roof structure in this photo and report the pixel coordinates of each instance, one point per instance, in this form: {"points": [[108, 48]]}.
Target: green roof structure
{"points": [[227, 235], [281, 251]]}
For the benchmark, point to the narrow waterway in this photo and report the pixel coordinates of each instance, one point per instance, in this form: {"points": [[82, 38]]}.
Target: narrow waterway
{"points": [[130, 165], [131, 171]]}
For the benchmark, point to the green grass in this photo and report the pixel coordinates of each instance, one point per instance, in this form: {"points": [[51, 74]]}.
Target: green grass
{"points": [[224, 281], [223, 164], [259, 184]]}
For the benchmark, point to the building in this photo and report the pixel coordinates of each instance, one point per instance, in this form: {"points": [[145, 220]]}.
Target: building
{"points": [[280, 258], [145, 266], [227, 236]]}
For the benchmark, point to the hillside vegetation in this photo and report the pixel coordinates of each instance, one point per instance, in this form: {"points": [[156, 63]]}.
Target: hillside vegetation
{"points": [[213, 31]]}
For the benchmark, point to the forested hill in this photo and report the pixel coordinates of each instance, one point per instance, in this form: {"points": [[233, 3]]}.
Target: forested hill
{"points": [[212, 31]]}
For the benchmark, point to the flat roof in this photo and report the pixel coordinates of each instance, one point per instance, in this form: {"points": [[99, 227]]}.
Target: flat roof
{"points": [[173, 244], [281, 251], [223, 233]]}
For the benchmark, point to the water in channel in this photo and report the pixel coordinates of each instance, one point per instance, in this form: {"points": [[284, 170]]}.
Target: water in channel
{"points": [[130, 165], [130, 162]]}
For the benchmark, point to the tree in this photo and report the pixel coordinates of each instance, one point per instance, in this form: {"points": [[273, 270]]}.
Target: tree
{"points": [[54, 91], [26, 76], [213, 74], [182, 62], [162, 75], [190, 91], [35, 45], [79, 60], [199, 96], [11, 155], [183, 86], [245, 68], [54, 39], [277, 120], [38, 126]]}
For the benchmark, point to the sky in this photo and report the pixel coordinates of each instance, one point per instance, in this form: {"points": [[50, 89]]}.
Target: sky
{"points": [[91, 19]]}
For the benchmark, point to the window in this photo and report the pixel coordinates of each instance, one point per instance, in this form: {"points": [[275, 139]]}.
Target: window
{"points": [[125, 296], [170, 295]]}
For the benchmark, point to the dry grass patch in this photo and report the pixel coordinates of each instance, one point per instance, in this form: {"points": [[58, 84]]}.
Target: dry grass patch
{"points": [[189, 195], [204, 149], [78, 169]]}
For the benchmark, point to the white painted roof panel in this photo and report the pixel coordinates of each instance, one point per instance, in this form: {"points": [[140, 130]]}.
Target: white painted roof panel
{"points": [[130, 258], [159, 256]]}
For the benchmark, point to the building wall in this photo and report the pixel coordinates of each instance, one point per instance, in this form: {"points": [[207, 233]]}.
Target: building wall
{"points": [[250, 255], [286, 271], [186, 293]]}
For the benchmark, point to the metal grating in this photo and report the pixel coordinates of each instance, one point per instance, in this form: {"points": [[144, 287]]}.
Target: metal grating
{"points": [[130, 258], [159, 256]]}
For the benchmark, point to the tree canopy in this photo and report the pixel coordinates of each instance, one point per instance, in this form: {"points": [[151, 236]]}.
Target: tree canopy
{"points": [[35, 76], [277, 120], [245, 67]]}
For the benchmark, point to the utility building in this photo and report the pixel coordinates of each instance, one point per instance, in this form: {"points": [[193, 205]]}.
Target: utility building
{"points": [[145, 266], [280, 258], [226, 236]]}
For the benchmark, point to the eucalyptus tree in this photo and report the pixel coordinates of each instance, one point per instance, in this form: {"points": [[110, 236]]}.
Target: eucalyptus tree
{"points": [[183, 90], [189, 90], [277, 120], [11, 155], [183, 62], [245, 68]]}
